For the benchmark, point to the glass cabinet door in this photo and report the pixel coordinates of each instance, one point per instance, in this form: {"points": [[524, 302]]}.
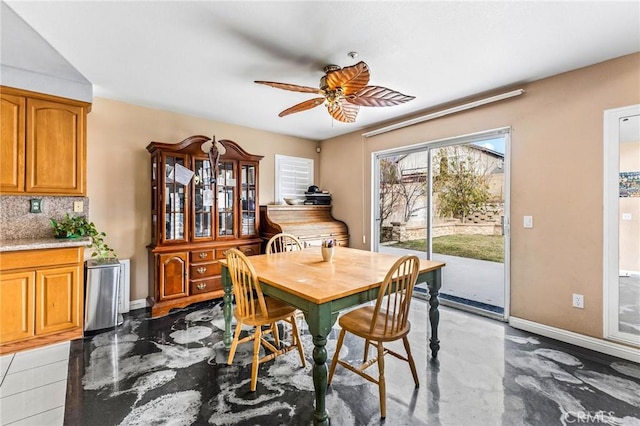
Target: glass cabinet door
{"points": [[226, 185], [203, 200], [248, 199], [175, 200], [154, 201]]}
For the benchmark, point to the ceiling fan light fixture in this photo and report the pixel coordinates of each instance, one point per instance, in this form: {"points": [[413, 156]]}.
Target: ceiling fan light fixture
{"points": [[344, 90]]}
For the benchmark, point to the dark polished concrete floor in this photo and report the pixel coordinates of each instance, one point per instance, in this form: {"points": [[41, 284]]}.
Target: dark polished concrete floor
{"points": [[173, 370]]}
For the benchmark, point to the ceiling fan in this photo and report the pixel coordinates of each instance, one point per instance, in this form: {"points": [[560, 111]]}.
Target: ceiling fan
{"points": [[344, 91]]}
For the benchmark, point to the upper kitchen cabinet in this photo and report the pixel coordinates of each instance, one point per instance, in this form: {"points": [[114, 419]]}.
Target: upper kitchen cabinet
{"points": [[202, 204], [43, 149]]}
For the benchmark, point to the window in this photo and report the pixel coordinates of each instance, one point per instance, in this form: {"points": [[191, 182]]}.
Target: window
{"points": [[293, 176]]}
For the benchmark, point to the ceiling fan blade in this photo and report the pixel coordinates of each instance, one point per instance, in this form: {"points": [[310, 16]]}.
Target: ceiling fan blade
{"points": [[302, 106], [344, 112], [377, 96], [291, 87], [350, 79]]}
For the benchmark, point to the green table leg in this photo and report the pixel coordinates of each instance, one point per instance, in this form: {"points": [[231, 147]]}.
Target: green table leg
{"points": [[320, 321], [434, 284], [226, 308]]}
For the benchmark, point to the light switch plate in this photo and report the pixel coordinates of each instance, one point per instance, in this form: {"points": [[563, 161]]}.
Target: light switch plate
{"points": [[528, 221], [35, 205]]}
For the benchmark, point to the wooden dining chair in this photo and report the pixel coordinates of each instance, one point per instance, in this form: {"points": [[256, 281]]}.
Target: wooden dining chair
{"points": [[283, 242], [254, 309], [385, 322]]}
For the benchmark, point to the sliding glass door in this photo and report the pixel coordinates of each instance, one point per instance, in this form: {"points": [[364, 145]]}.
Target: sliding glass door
{"points": [[448, 201]]}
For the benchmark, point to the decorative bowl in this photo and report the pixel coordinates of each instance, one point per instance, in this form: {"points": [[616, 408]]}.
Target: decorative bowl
{"points": [[294, 201]]}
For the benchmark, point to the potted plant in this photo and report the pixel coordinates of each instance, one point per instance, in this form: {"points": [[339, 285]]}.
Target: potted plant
{"points": [[79, 226]]}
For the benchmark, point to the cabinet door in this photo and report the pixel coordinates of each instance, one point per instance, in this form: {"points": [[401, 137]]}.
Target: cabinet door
{"points": [[202, 217], [12, 144], [16, 306], [58, 299], [248, 197], [175, 196], [154, 198], [172, 275], [226, 189], [55, 148]]}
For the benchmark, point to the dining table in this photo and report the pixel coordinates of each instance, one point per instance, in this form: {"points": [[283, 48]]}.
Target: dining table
{"points": [[322, 289]]}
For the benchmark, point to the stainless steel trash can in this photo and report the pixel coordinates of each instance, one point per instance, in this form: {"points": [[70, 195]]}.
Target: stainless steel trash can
{"points": [[101, 294]]}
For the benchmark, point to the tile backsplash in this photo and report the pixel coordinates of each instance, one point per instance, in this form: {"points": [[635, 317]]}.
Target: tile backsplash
{"points": [[16, 222]]}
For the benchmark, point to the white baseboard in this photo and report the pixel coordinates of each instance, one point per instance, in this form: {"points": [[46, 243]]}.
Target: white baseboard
{"points": [[137, 304], [598, 345]]}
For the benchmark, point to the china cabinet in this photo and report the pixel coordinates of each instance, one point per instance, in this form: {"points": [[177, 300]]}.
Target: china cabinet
{"points": [[43, 144], [202, 204]]}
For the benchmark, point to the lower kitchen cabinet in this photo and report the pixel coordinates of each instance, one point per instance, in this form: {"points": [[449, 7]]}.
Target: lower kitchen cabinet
{"points": [[17, 306], [41, 295], [58, 301]]}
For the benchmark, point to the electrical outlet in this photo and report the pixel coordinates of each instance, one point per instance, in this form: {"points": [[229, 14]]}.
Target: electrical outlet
{"points": [[78, 206], [35, 205], [578, 301]]}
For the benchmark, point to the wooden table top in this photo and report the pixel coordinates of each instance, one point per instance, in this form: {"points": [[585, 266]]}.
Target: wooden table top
{"points": [[306, 275]]}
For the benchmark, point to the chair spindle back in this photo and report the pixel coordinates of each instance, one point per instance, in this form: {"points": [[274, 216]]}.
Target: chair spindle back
{"points": [[395, 295], [246, 286], [283, 242]]}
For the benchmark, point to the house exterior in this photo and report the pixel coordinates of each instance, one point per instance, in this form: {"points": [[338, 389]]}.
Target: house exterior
{"points": [[411, 172]]}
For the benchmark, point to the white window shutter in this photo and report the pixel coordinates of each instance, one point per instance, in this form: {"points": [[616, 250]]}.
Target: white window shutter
{"points": [[294, 175]]}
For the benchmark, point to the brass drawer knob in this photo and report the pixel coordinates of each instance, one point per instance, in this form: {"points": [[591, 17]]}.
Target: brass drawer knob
{"points": [[201, 286], [202, 269], [202, 255]]}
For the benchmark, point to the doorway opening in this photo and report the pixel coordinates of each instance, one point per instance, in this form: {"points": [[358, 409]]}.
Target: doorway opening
{"points": [[622, 224], [448, 201]]}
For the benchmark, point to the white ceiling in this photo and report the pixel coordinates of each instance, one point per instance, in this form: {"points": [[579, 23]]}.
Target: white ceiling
{"points": [[201, 58]]}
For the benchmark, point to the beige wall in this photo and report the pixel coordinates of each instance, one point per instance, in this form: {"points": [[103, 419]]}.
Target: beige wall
{"points": [[630, 229], [556, 176], [118, 169]]}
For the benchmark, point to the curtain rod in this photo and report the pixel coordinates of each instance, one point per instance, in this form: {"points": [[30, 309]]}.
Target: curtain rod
{"points": [[444, 112]]}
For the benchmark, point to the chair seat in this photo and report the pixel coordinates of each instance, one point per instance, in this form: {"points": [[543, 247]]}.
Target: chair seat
{"points": [[277, 309], [254, 309], [359, 322], [388, 325]]}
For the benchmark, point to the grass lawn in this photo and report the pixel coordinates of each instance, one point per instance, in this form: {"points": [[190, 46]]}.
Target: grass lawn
{"points": [[482, 247]]}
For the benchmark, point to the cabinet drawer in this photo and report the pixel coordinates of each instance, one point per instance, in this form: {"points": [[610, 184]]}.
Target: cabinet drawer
{"points": [[204, 270], [317, 242], [202, 256], [250, 249], [222, 253], [205, 286], [41, 258], [247, 250]]}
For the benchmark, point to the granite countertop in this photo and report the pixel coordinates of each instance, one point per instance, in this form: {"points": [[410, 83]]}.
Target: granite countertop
{"points": [[42, 243]]}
